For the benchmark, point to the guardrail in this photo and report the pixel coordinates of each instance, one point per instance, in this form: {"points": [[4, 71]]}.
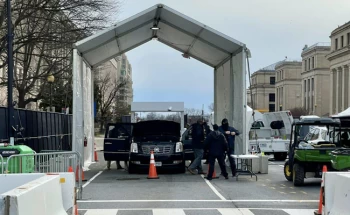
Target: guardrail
{"points": [[53, 162], [2, 164]]}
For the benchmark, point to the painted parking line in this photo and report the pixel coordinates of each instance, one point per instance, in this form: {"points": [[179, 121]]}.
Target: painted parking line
{"points": [[213, 188], [200, 200], [235, 211], [95, 176], [183, 211]]}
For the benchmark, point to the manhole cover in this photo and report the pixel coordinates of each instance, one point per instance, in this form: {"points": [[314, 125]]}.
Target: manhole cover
{"points": [[127, 179]]}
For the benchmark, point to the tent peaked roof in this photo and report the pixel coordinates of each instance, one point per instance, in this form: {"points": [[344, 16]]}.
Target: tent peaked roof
{"points": [[176, 30]]}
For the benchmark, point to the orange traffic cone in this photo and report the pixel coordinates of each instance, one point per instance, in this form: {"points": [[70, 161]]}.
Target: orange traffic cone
{"points": [[75, 206], [214, 173], [321, 203], [152, 174], [77, 174], [70, 169], [75, 210], [95, 154]]}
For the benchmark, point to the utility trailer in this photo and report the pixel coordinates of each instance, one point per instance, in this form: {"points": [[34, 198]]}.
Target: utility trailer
{"points": [[270, 134]]}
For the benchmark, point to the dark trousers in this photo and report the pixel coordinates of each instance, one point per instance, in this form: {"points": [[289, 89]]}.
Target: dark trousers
{"points": [[221, 162], [232, 161]]}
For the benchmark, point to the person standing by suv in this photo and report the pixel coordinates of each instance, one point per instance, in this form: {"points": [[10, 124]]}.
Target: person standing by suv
{"points": [[217, 145], [230, 134], [198, 136]]}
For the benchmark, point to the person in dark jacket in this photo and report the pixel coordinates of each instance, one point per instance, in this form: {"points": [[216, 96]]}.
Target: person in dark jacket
{"points": [[198, 136], [230, 134], [217, 145], [207, 132]]}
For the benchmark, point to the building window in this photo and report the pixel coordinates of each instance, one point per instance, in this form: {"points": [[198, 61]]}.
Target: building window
{"points": [[305, 86], [308, 84], [271, 97], [272, 107], [305, 64], [336, 44], [282, 74], [309, 64], [122, 72], [272, 80], [341, 41], [348, 38], [312, 84], [313, 62]]}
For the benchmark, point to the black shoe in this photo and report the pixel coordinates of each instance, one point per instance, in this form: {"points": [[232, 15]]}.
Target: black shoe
{"points": [[209, 179], [226, 177]]}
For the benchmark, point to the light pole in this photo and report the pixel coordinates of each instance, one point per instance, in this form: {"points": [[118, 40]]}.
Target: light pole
{"points": [[50, 80], [10, 116], [280, 107]]}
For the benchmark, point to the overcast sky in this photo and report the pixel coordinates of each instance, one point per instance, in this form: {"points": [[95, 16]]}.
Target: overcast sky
{"points": [[271, 29]]}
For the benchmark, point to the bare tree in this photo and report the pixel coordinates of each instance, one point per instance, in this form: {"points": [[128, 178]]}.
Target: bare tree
{"points": [[45, 31], [108, 90], [299, 111], [211, 107]]}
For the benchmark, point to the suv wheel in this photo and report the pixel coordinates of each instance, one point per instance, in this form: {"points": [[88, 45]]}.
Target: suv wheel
{"points": [[287, 173], [298, 174]]}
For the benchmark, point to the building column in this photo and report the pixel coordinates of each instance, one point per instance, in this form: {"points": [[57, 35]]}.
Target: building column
{"points": [[302, 93], [276, 99], [336, 91], [339, 88], [348, 80], [331, 95], [343, 89], [346, 86]]}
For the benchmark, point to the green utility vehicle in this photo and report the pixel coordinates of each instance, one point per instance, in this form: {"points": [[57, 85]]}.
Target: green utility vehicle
{"points": [[306, 156], [340, 158], [23, 164]]}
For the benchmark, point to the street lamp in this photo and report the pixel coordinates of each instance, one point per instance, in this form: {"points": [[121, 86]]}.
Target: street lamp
{"points": [[280, 107], [50, 80]]}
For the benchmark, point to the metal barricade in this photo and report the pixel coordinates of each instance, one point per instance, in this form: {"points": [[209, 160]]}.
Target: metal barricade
{"points": [[52, 162], [2, 164]]}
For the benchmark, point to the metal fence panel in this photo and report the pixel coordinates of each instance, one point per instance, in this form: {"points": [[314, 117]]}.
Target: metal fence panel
{"points": [[42, 130], [2, 164], [50, 162]]}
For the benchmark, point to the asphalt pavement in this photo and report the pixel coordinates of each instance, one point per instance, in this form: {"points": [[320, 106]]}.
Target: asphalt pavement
{"points": [[111, 192]]}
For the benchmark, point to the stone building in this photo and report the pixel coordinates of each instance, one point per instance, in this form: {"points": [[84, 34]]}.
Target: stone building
{"points": [[316, 79], [263, 89], [288, 85], [339, 59]]}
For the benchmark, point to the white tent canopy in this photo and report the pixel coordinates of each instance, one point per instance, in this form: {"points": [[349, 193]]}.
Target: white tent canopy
{"points": [[176, 30], [345, 113], [226, 55]]}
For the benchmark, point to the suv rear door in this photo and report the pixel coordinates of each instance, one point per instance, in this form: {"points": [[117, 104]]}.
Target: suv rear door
{"points": [[186, 140], [117, 141]]}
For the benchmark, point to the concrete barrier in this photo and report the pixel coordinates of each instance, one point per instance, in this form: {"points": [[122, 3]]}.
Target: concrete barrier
{"points": [[337, 193], [39, 194]]}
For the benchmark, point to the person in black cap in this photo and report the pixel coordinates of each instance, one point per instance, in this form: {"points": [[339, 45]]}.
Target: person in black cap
{"points": [[198, 136], [217, 145], [230, 134]]}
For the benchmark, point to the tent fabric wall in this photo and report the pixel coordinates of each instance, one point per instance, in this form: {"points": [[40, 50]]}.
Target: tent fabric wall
{"points": [[82, 108], [230, 97]]}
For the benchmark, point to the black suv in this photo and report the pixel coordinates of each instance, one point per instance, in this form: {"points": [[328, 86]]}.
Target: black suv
{"points": [[161, 137]]}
